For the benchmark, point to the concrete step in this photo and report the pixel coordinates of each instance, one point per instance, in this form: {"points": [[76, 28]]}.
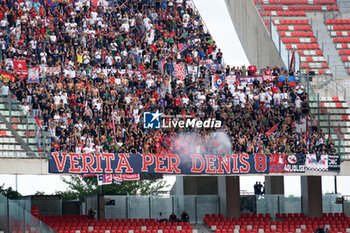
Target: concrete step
{"points": [[325, 99], [13, 154], [331, 111], [13, 113]]}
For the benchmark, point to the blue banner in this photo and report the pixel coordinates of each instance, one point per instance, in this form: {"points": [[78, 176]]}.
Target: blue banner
{"points": [[158, 163]]}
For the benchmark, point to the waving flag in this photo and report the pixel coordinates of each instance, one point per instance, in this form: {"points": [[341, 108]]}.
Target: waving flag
{"points": [[281, 80], [6, 77], [291, 61], [161, 64], [291, 80], [33, 75], [180, 71], [104, 179], [182, 47], [270, 131], [38, 122], [20, 66], [219, 82]]}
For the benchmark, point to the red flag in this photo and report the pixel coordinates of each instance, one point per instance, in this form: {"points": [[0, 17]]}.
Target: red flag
{"points": [[270, 131], [37, 121], [19, 64], [291, 61]]}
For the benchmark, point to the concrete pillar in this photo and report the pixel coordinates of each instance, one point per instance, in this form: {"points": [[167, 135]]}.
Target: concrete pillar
{"points": [[179, 186], [200, 185], [101, 207], [222, 194], [274, 185], [233, 202], [311, 194]]}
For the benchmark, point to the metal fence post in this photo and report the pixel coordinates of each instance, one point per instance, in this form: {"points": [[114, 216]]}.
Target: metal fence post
{"points": [[219, 209], [126, 207], [318, 110], [339, 139], [308, 84], [27, 127], [24, 220], [196, 208], [8, 215], [149, 207], [329, 124], [10, 108], [173, 204]]}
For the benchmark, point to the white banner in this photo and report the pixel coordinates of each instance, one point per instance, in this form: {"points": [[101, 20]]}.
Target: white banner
{"points": [[311, 162]]}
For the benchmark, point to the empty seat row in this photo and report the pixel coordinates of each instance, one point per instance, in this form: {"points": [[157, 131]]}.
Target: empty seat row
{"points": [[299, 2], [341, 40], [312, 59], [299, 40], [313, 65], [305, 35], [343, 45], [339, 27], [337, 21], [340, 33], [293, 22], [307, 52], [294, 28], [303, 46], [301, 8], [283, 13]]}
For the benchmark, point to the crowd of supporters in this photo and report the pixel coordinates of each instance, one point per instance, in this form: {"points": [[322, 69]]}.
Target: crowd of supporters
{"points": [[97, 50]]}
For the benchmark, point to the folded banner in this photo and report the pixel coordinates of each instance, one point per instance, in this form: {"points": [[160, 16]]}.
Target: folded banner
{"points": [[158, 163], [103, 179]]}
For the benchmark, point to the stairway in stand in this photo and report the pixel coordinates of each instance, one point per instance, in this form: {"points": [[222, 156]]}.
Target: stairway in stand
{"points": [[19, 134], [333, 111]]}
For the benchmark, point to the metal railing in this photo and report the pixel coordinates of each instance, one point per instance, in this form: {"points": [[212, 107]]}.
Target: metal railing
{"points": [[23, 126], [326, 83], [129, 206], [314, 97]]}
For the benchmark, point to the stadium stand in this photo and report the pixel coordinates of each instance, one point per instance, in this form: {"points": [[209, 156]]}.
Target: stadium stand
{"points": [[333, 222], [21, 124], [82, 224], [297, 35], [334, 118], [339, 30], [294, 8], [296, 30], [143, 69]]}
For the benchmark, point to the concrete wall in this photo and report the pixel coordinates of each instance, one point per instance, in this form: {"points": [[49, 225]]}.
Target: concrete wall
{"points": [[253, 34]]}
